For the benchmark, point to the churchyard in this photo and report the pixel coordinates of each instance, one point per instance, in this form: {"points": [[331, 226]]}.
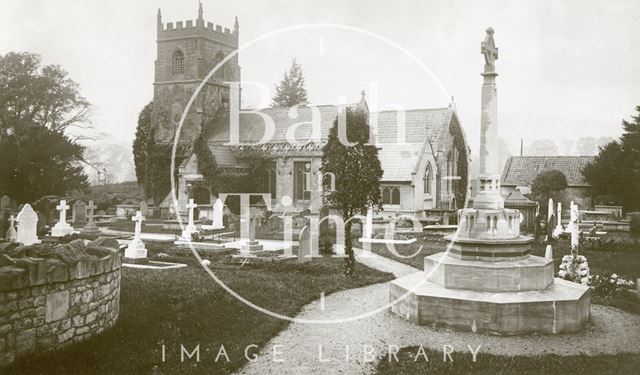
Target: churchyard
{"points": [[373, 245]]}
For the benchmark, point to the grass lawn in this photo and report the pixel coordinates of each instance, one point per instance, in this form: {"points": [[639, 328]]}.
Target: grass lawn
{"points": [[494, 364], [625, 263], [186, 307]]}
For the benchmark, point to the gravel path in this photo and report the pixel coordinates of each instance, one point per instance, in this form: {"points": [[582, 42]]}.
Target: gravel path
{"points": [[323, 348]]}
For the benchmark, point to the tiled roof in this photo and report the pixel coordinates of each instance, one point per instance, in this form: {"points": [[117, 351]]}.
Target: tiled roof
{"points": [[398, 160], [521, 170]]}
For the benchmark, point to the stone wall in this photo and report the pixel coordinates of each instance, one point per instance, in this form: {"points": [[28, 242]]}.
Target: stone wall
{"points": [[48, 303]]}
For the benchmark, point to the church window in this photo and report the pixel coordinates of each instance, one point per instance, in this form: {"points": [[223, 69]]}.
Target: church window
{"points": [[427, 179], [302, 180], [178, 62], [269, 179], [391, 195]]}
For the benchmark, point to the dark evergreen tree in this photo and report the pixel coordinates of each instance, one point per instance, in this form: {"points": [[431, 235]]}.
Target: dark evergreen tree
{"points": [[357, 172], [291, 91], [547, 185], [614, 175], [142, 142]]}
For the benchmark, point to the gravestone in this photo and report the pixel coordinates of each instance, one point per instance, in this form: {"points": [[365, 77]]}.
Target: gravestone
{"points": [[5, 203], [42, 224], [79, 213], [62, 228], [11, 234], [304, 247], [91, 227], [573, 227], [218, 210], [144, 208], [367, 231], [27, 226], [190, 228], [136, 248], [251, 245]]}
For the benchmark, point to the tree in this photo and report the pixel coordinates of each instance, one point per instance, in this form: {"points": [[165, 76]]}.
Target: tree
{"points": [[291, 91], [546, 185], [38, 104], [34, 94], [614, 173], [141, 143], [36, 161], [357, 172]]}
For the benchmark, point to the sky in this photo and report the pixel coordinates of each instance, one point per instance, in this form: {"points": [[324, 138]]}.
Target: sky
{"points": [[567, 69]]}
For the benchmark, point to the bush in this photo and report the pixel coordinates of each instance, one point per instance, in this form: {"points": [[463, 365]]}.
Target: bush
{"points": [[327, 240]]}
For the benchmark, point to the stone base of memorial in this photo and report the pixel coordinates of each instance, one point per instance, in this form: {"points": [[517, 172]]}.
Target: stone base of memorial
{"points": [[394, 241], [135, 251], [49, 303], [250, 247], [61, 230], [199, 245], [90, 230], [488, 281]]}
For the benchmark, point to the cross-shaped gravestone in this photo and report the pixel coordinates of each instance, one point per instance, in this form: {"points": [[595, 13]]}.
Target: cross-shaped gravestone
{"points": [[191, 207], [191, 227], [11, 234], [91, 227], [62, 228], [136, 248], [62, 207], [138, 219]]}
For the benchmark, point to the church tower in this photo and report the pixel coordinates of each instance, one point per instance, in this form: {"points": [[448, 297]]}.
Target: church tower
{"points": [[186, 53]]}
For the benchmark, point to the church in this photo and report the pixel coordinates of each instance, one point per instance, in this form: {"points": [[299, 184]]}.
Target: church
{"points": [[425, 165]]}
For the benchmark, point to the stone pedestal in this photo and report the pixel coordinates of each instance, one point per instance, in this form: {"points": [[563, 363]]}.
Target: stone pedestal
{"points": [[251, 246], [135, 250], [61, 230], [488, 281]]}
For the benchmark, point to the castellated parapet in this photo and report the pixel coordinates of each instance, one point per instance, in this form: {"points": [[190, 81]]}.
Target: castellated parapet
{"points": [[51, 297]]}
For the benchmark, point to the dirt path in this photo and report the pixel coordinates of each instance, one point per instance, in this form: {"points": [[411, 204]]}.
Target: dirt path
{"points": [[345, 347]]}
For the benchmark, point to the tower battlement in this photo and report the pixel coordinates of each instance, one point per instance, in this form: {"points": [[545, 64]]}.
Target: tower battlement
{"points": [[197, 28]]}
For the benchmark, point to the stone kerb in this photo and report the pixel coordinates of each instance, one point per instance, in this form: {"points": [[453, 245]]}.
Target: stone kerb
{"points": [[52, 297]]}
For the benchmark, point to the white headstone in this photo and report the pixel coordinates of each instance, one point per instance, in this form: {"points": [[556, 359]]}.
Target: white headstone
{"points": [[218, 209], [304, 247], [27, 226], [191, 227], [557, 231], [573, 227], [11, 234], [62, 228], [136, 248], [368, 225]]}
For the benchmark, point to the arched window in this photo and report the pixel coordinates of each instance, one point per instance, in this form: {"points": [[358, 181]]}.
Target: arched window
{"points": [[391, 195], [178, 63], [427, 179], [449, 171]]}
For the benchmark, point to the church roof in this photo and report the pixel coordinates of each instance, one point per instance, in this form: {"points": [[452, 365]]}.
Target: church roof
{"points": [[521, 170], [398, 157]]}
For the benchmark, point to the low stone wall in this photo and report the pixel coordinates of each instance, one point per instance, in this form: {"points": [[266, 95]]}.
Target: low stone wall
{"points": [[47, 303]]}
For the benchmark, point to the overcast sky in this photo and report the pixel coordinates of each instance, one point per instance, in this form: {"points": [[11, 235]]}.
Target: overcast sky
{"points": [[567, 68]]}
